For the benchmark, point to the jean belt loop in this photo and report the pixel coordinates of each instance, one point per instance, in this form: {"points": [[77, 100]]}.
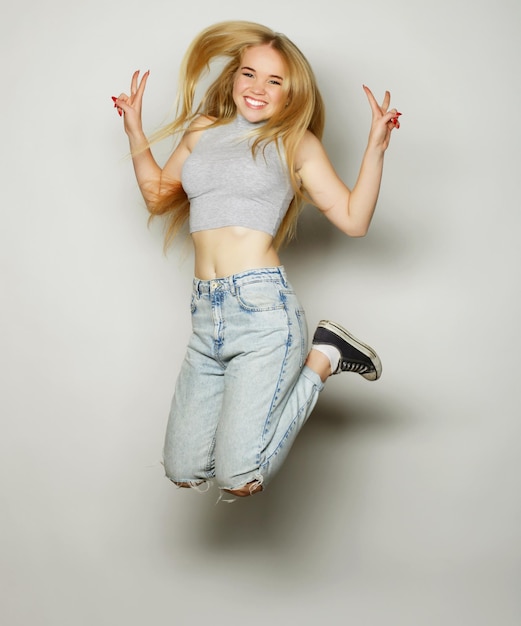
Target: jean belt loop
{"points": [[233, 285]]}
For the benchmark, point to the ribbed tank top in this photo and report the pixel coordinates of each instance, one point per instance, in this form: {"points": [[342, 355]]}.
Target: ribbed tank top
{"points": [[227, 186]]}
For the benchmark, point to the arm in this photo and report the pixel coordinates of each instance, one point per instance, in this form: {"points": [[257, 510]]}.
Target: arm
{"points": [[153, 180], [349, 210]]}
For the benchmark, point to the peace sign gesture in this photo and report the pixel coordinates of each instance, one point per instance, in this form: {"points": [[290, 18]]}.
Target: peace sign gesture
{"points": [[130, 106], [383, 122]]}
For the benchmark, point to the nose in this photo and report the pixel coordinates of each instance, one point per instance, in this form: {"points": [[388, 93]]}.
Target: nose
{"points": [[258, 86]]}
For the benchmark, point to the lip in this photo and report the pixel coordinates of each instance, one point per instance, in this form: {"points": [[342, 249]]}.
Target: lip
{"points": [[253, 103]]}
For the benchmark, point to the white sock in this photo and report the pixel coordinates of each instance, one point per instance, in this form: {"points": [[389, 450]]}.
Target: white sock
{"points": [[332, 353]]}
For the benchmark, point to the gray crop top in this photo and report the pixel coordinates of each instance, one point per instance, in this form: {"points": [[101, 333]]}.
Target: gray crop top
{"points": [[227, 186]]}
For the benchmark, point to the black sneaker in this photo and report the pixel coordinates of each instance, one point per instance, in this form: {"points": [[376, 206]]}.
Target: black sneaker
{"points": [[355, 356]]}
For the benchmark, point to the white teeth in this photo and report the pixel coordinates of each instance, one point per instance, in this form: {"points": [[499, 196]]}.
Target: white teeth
{"points": [[256, 103]]}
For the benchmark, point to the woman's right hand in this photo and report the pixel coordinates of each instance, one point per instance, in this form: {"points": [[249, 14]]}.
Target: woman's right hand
{"points": [[131, 105]]}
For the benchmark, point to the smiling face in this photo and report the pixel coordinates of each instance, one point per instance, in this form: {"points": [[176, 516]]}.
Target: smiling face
{"points": [[257, 88]]}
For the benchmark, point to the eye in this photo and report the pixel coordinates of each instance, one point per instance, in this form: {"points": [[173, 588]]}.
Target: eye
{"points": [[247, 74], [275, 82]]}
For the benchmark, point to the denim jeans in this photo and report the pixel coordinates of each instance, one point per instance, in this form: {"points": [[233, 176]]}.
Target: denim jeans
{"points": [[243, 391]]}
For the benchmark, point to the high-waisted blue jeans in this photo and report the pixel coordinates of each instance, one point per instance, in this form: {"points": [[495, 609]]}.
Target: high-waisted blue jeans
{"points": [[243, 392]]}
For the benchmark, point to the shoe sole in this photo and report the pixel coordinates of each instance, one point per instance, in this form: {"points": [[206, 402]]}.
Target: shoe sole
{"points": [[359, 345]]}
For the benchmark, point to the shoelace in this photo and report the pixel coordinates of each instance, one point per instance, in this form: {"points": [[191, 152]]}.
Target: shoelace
{"points": [[358, 368]]}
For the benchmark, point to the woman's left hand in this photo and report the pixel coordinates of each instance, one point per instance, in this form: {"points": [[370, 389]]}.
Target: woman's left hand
{"points": [[384, 120]]}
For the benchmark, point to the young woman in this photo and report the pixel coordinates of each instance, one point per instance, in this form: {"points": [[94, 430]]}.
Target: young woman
{"points": [[248, 156]]}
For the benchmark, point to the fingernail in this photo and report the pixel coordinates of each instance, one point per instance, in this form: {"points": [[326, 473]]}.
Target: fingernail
{"points": [[114, 98], [120, 112]]}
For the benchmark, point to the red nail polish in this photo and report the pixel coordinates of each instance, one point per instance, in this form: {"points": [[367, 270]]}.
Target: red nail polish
{"points": [[120, 112], [114, 98]]}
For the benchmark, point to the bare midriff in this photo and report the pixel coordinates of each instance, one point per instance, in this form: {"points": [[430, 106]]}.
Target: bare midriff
{"points": [[221, 252]]}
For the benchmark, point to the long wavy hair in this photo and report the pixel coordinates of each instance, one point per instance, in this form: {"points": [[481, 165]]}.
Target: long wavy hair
{"points": [[304, 110]]}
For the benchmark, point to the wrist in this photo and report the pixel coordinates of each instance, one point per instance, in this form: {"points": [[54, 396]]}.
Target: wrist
{"points": [[374, 153], [137, 140]]}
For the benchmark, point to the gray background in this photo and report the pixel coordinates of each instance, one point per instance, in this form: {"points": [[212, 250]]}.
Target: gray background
{"points": [[400, 502]]}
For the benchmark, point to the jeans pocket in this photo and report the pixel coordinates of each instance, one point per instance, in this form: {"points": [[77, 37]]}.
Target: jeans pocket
{"points": [[260, 296]]}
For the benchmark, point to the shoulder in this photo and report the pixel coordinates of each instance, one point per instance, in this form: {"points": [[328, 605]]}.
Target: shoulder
{"points": [[309, 148], [194, 131], [201, 122]]}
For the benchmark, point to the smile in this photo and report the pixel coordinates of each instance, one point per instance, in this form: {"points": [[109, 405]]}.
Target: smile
{"points": [[254, 103]]}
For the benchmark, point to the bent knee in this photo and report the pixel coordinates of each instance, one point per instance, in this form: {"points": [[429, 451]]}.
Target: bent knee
{"points": [[180, 480], [181, 474], [247, 490]]}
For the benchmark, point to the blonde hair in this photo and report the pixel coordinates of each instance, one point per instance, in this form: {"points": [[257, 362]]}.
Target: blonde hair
{"points": [[304, 109]]}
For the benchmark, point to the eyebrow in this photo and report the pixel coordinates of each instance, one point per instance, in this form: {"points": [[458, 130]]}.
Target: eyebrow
{"points": [[245, 67]]}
